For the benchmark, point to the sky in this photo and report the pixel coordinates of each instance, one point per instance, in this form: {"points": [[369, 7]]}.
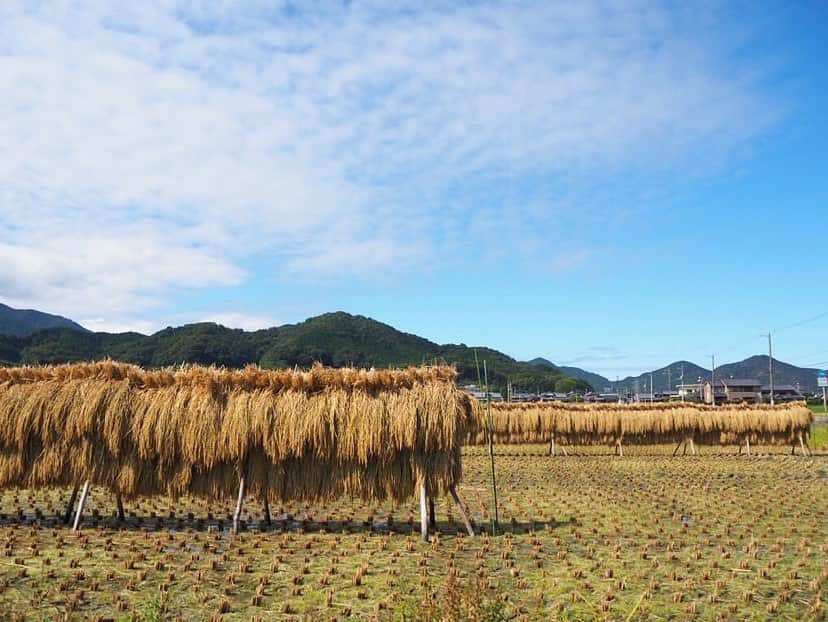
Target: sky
{"points": [[608, 184]]}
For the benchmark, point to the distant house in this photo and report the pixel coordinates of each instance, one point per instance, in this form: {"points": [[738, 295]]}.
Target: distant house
{"points": [[733, 390], [666, 396], [691, 392], [555, 397], [782, 393], [602, 398], [478, 394]]}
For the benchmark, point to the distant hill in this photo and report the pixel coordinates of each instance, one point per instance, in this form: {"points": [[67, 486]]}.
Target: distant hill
{"points": [[669, 375], [783, 373], [22, 322], [333, 338], [752, 367], [596, 381]]}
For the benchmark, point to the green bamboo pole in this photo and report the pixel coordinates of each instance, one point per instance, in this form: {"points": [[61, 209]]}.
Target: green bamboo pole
{"points": [[496, 518]]}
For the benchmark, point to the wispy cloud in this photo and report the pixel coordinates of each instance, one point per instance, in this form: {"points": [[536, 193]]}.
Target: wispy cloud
{"points": [[158, 146], [570, 261]]}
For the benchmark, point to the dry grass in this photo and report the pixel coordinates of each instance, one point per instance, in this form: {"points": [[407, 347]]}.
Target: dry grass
{"points": [[644, 424], [310, 435]]}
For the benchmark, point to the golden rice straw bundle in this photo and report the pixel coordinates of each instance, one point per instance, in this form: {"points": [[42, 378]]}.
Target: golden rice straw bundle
{"points": [[308, 435], [643, 424]]}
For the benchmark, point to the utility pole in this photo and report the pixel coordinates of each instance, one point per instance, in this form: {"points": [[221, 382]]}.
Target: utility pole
{"points": [[652, 390], [770, 365], [682, 382], [713, 379]]}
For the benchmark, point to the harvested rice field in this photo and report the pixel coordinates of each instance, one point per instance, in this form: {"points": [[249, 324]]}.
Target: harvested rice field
{"points": [[642, 537]]}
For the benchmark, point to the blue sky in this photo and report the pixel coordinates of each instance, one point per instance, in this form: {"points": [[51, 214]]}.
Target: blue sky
{"points": [[614, 185]]}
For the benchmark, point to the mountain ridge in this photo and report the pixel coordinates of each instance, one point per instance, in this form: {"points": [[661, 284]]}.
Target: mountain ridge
{"points": [[755, 366], [23, 322], [336, 339]]}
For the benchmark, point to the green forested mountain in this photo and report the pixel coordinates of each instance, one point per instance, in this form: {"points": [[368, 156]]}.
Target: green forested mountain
{"points": [[334, 339], [22, 322], [596, 381]]}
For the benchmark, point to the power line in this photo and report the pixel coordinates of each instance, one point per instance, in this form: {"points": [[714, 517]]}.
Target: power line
{"points": [[803, 322]]}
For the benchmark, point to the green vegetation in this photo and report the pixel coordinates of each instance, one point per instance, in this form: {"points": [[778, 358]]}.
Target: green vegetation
{"points": [[336, 339], [819, 436]]}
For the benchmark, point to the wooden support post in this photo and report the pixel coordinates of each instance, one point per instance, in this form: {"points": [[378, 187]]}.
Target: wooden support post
{"points": [[239, 504], [432, 519], [67, 516], [802, 445], [81, 503], [423, 513], [693, 446], [267, 520], [675, 451], [119, 502], [552, 450], [747, 444], [684, 451], [620, 449], [462, 510], [563, 449]]}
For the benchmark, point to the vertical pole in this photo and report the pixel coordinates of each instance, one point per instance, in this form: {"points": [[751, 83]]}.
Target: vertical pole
{"points": [[713, 380], [552, 448], [770, 365], [81, 503], [692, 446], [496, 518], [119, 502], [747, 444], [432, 519], [267, 511], [67, 516], [423, 513], [824, 402], [239, 502]]}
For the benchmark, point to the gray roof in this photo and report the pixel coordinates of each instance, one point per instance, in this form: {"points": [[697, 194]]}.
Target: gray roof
{"points": [[780, 387], [738, 382]]}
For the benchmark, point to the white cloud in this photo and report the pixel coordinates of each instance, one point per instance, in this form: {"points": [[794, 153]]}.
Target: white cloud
{"points": [[158, 146], [118, 273]]}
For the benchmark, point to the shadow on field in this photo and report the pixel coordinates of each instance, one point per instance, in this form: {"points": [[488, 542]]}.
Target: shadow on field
{"points": [[277, 525]]}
